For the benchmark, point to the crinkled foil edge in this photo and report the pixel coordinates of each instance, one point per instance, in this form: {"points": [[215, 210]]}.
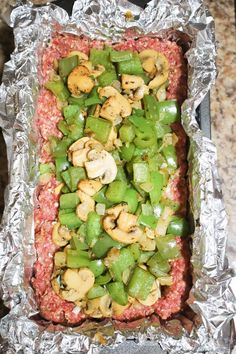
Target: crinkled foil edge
{"points": [[213, 292]]}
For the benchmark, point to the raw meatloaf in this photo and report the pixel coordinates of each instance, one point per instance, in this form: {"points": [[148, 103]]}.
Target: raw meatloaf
{"points": [[111, 203]]}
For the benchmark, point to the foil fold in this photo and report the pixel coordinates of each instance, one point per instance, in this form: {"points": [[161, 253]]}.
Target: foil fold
{"points": [[212, 296]]}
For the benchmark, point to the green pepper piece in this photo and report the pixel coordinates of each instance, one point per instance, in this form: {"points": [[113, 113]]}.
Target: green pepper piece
{"points": [[120, 55], [57, 87], [118, 293], [168, 112], [141, 172], [145, 256], [121, 263], [156, 179], [148, 220], [121, 176], [93, 228], [150, 107], [138, 112], [100, 197], [70, 220], [145, 139], [135, 250], [69, 201], [127, 152], [76, 244], [102, 57], [132, 66], [158, 266], [140, 284], [59, 147], [66, 65], [104, 244], [96, 291], [103, 279], [65, 211], [70, 112], [162, 129], [170, 155], [65, 189], [116, 191], [77, 259], [62, 164], [107, 78], [97, 267], [62, 126], [93, 98], [101, 128], [168, 247], [82, 231], [131, 198], [79, 101], [178, 226], [76, 175], [127, 133]]}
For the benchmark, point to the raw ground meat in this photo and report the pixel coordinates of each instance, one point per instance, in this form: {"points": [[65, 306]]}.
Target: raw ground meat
{"points": [[51, 306]]}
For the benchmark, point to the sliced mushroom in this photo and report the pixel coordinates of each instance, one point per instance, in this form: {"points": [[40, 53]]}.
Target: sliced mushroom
{"points": [[80, 81], [78, 283], [112, 225], [140, 92], [90, 187], [98, 70], [116, 106], [56, 285], [78, 151], [99, 307], [60, 235], [158, 80], [88, 65], [154, 295], [148, 58], [101, 164], [60, 259], [131, 82], [85, 207], [82, 56], [150, 233], [116, 210]]}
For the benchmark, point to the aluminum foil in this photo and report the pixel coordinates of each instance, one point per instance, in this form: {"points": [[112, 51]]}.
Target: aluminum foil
{"points": [[213, 294]]}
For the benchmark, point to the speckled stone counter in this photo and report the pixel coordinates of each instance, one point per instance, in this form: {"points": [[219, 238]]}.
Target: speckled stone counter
{"points": [[223, 110]]}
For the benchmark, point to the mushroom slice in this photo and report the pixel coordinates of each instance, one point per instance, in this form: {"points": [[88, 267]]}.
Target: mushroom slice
{"points": [[82, 56], [115, 106], [84, 208], [79, 80], [148, 53], [154, 295], [131, 82], [99, 69], [78, 282], [78, 151], [140, 92], [111, 140], [79, 157], [60, 235], [79, 144], [55, 285], [90, 187], [101, 164], [132, 232], [158, 80], [116, 210], [99, 307]]}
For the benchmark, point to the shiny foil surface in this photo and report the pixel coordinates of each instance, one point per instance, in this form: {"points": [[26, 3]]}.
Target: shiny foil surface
{"points": [[212, 296]]}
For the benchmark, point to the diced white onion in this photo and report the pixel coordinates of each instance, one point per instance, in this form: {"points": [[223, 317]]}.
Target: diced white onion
{"points": [[100, 209]]}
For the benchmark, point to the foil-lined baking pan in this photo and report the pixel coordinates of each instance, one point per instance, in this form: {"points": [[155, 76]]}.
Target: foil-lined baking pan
{"points": [[212, 296]]}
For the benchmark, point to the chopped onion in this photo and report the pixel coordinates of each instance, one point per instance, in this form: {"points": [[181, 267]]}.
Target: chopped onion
{"points": [[100, 209], [76, 310]]}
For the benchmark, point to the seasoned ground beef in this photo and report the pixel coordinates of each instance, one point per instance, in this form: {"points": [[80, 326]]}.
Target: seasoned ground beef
{"points": [[51, 306]]}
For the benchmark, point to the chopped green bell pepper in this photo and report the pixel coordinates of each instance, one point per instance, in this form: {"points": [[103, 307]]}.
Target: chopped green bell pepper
{"points": [[101, 128], [168, 247], [178, 226], [69, 201], [70, 220], [140, 284], [118, 293], [66, 65], [93, 228], [96, 291], [116, 191]]}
